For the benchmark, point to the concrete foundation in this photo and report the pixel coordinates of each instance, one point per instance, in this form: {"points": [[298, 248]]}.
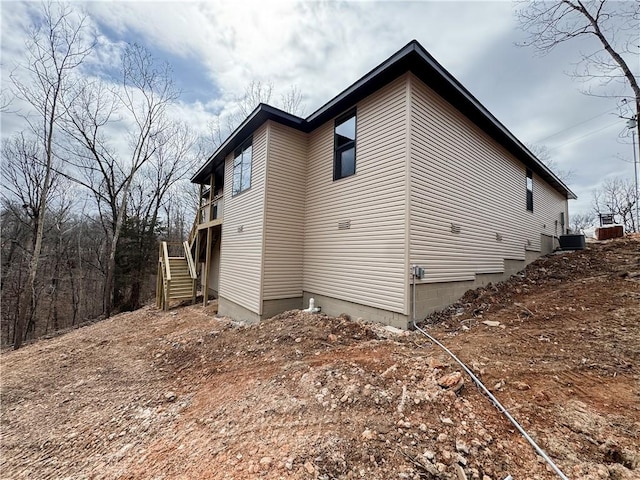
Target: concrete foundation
{"points": [[548, 244], [231, 309], [334, 307], [430, 297], [274, 307], [270, 308], [530, 256]]}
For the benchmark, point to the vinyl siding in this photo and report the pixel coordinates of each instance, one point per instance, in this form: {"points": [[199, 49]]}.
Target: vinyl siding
{"points": [[214, 269], [461, 176], [241, 252], [284, 212], [364, 264]]}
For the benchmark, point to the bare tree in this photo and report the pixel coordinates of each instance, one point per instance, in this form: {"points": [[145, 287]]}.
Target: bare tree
{"points": [[291, 101], [617, 196], [145, 92], [214, 136], [172, 160], [255, 93], [13, 257], [543, 154], [21, 197], [615, 25], [581, 221], [57, 45], [5, 101]]}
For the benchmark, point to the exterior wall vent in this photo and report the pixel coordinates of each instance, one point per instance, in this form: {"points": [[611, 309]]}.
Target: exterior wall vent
{"points": [[344, 225], [240, 228], [498, 237], [528, 243], [455, 228]]}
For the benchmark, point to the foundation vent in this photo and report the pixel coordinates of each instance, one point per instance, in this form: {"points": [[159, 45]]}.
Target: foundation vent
{"points": [[455, 228], [344, 225]]}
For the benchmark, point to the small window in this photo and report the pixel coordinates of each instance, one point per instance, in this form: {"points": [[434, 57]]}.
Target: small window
{"points": [[344, 138], [242, 168], [529, 190]]}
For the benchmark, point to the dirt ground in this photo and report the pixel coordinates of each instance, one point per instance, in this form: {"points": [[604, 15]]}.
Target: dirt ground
{"points": [[186, 395]]}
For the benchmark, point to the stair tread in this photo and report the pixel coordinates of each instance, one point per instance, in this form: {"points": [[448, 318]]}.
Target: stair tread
{"points": [[181, 286]]}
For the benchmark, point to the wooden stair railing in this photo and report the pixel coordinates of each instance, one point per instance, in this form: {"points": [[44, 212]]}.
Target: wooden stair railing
{"points": [[176, 275], [194, 231]]}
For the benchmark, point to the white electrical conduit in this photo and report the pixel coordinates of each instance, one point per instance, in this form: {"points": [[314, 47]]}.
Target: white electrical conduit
{"points": [[497, 404]]}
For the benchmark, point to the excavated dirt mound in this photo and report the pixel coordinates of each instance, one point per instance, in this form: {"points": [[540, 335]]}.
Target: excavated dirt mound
{"points": [[184, 394]]}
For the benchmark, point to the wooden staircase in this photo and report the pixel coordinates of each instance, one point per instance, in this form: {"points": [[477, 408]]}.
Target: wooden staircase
{"points": [[176, 275]]}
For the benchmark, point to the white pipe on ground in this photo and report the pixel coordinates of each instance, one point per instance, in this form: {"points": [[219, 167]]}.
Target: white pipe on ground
{"points": [[312, 306], [495, 401], [498, 405]]}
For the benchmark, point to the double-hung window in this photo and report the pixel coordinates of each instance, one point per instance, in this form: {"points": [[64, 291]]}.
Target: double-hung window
{"points": [[242, 168], [529, 190], [344, 145]]}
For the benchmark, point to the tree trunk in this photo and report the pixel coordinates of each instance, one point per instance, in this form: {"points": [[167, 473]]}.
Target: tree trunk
{"points": [[111, 266], [28, 300]]}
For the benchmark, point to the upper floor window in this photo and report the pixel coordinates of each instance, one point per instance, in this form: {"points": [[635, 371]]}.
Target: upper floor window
{"points": [[529, 190], [242, 168], [344, 144]]}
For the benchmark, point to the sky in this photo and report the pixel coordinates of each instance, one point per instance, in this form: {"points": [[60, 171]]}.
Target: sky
{"points": [[217, 47]]}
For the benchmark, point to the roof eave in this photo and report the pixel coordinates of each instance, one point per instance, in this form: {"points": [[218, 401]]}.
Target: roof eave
{"points": [[521, 151], [260, 114], [414, 58]]}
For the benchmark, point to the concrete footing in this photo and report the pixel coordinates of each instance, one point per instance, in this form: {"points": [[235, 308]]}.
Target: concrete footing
{"points": [[430, 297]]}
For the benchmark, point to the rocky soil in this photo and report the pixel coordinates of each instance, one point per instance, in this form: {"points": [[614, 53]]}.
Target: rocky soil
{"points": [[185, 394]]}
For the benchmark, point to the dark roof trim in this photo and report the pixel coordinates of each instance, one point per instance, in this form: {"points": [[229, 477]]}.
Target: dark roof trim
{"points": [[384, 73], [414, 58], [485, 120], [261, 114]]}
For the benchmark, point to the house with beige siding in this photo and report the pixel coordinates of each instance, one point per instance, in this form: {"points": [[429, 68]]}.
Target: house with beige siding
{"points": [[403, 169]]}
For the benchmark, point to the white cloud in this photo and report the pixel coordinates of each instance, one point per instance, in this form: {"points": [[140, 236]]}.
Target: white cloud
{"points": [[320, 46], [324, 46]]}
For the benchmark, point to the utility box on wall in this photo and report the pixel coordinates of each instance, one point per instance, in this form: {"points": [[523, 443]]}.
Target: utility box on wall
{"points": [[418, 272]]}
